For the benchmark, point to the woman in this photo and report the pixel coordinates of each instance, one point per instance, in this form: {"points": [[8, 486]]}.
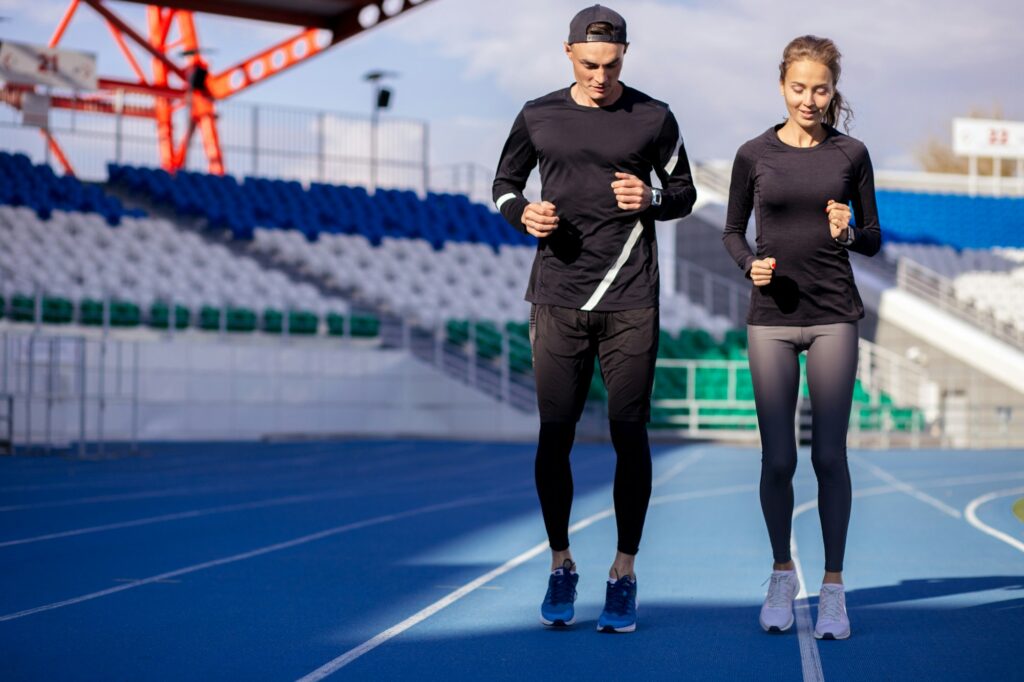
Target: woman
{"points": [[799, 179]]}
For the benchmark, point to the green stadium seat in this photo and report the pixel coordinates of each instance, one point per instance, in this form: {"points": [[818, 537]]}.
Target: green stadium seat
{"points": [[241, 320], [23, 308], [159, 316], [57, 310]]}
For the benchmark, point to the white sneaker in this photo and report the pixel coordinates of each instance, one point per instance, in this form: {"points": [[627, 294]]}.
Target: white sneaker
{"points": [[777, 611], [833, 622]]}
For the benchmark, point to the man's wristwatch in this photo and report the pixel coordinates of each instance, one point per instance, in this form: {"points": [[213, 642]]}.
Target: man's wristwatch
{"points": [[655, 196]]}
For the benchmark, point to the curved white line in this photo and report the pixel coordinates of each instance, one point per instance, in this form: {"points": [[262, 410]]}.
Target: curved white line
{"points": [[970, 513]]}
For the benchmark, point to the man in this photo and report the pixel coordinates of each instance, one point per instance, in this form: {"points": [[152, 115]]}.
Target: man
{"points": [[594, 283]]}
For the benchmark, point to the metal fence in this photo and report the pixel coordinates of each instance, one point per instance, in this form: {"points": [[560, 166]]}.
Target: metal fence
{"points": [[59, 390], [918, 280], [257, 140]]}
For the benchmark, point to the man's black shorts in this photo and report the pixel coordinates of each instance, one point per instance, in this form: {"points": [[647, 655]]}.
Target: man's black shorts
{"points": [[565, 342]]}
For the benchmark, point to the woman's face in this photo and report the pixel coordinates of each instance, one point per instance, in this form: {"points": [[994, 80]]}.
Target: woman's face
{"points": [[807, 88]]}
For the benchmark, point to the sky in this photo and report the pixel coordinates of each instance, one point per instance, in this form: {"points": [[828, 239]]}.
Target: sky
{"points": [[467, 66]]}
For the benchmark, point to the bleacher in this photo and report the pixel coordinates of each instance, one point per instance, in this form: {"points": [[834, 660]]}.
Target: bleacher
{"points": [[954, 220], [441, 262], [69, 248]]}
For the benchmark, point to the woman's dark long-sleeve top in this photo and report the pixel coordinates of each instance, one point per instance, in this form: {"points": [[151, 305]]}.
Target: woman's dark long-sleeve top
{"points": [[787, 189]]}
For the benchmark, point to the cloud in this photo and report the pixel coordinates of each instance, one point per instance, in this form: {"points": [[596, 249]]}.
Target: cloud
{"points": [[908, 67]]}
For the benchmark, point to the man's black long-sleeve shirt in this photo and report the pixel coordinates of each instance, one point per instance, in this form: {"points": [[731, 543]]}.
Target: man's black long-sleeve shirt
{"points": [[600, 257], [787, 189]]}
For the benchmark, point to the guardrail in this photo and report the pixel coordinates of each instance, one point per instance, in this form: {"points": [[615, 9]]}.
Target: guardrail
{"points": [[929, 285]]}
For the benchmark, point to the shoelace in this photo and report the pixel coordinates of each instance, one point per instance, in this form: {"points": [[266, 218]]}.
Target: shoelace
{"points": [[617, 599], [830, 605], [778, 595], [562, 589]]}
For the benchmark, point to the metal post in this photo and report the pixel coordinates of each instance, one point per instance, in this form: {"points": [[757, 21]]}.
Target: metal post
{"points": [[28, 394], [374, 120], [406, 334], [997, 176], [505, 372], [101, 396], [82, 396], [255, 140], [321, 145], [37, 308], [972, 176], [118, 123], [135, 398], [426, 159], [471, 347], [439, 346], [51, 361]]}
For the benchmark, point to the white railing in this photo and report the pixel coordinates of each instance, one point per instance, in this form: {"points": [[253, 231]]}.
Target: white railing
{"points": [[929, 285]]}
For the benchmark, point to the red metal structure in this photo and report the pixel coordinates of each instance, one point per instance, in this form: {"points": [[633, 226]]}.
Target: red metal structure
{"points": [[181, 76]]}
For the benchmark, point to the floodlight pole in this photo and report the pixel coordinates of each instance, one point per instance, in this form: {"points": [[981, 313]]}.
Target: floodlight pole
{"points": [[375, 78]]}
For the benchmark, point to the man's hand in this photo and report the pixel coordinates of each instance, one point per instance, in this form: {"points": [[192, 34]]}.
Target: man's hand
{"points": [[631, 192], [838, 219], [761, 271], [540, 219]]}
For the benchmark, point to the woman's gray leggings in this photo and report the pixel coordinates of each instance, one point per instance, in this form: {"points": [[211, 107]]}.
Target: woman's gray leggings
{"points": [[831, 372]]}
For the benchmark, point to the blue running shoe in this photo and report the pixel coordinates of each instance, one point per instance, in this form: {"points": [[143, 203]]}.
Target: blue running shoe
{"points": [[557, 609], [619, 613]]}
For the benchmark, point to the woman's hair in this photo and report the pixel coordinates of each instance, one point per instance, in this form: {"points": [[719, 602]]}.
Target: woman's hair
{"points": [[822, 51]]}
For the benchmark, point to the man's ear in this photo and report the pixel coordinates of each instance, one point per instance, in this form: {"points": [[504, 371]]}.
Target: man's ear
{"points": [[625, 48], [568, 50]]}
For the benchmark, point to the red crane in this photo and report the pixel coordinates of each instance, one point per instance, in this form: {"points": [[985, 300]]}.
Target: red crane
{"points": [[182, 78]]}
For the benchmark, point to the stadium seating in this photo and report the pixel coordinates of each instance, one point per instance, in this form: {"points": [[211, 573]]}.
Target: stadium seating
{"points": [[322, 209], [73, 260], [41, 190], [950, 262], [954, 220]]}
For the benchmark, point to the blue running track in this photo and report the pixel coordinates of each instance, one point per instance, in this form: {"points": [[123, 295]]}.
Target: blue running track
{"points": [[384, 560]]}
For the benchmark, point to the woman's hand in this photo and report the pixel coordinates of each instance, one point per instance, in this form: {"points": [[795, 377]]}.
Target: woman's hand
{"points": [[838, 219], [761, 271]]}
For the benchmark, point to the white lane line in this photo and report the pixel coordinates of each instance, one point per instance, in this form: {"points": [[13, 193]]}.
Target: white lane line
{"points": [[449, 599], [971, 514], [810, 660], [377, 520], [191, 514], [676, 469], [907, 488]]}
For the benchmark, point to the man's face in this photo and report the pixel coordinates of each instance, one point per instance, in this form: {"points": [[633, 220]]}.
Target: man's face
{"points": [[596, 67]]}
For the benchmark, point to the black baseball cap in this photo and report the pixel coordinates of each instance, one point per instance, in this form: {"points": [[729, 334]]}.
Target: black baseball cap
{"points": [[597, 13]]}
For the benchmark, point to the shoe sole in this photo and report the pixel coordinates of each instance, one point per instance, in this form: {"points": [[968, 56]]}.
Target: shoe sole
{"points": [[611, 630], [831, 635], [558, 623], [775, 628]]}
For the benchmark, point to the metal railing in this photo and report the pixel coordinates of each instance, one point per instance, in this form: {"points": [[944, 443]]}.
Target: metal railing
{"points": [[716, 294], [929, 285], [256, 139], [901, 408], [7, 424], [62, 388]]}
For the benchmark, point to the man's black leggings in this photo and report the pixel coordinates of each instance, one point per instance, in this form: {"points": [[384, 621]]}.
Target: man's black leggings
{"points": [[831, 373], [632, 491]]}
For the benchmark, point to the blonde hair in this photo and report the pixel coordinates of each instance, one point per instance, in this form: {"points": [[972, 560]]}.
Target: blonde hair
{"points": [[822, 51]]}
